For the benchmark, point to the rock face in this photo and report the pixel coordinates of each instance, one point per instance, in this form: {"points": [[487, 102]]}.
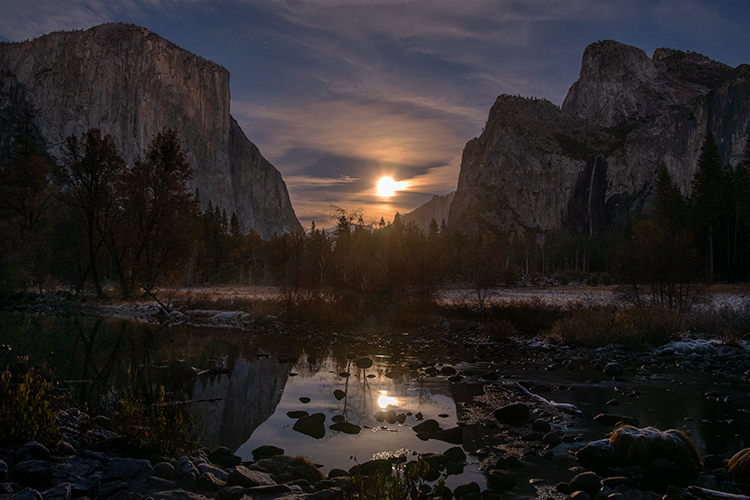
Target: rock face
{"points": [[587, 165], [131, 83], [437, 208]]}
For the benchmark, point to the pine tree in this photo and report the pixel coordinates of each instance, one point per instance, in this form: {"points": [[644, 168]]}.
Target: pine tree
{"points": [[669, 205], [707, 199], [234, 226], [434, 229]]}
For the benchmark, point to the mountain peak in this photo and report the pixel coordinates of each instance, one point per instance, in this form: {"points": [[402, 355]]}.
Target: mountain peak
{"points": [[619, 83], [131, 83]]}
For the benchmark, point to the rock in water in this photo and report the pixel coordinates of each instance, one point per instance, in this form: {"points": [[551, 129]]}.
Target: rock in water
{"points": [[345, 427], [311, 425], [131, 83]]}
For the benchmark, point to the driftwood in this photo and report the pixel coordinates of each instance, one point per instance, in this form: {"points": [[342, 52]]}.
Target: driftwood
{"points": [[698, 493], [563, 407], [164, 307]]}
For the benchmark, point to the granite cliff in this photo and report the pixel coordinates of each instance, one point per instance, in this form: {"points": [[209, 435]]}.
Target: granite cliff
{"points": [[131, 83], [587, 165]]}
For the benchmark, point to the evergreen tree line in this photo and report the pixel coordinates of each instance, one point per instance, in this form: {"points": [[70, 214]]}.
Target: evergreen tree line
{"points": [[95, 220]]}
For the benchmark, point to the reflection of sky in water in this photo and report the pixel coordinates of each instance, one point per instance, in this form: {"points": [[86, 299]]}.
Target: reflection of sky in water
{"points": [[339, 450], [105, 355]]}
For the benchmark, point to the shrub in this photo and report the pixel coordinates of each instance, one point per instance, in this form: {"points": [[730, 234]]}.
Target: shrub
{"points": [[628, 326], [400, 483], [157, 429], [730, 325], [26, 411]]}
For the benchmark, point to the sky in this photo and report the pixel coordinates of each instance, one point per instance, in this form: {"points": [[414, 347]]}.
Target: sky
{"points": [[339, 93]]}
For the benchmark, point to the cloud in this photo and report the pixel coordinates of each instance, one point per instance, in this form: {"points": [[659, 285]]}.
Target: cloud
{"points": [[310, 181], [32, 18]]}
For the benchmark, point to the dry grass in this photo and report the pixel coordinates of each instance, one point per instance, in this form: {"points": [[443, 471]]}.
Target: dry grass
{"points": [[730, 325], [598, 325], [739, 467]]}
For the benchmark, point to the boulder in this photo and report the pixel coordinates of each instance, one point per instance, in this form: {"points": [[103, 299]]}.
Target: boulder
{"points": [[500, 480], [165, 470], [598, 456], [26, 494], [37, 473], [466, 489], [210, 483], [614, 369], [739, 467], [224, 457], [334, 473], [455, 454], [590, 482], [242, 476], [339, 394], [33, 450], [230, 493], [454, 435], [127, 469], [552, 439], [111, 487], [284, 468], [541, 425], [154, 483], [219, 473], [370, 466], [184, 467], [176, 494], [266, 451], [428, 426], [88, 487], [62, 491]]}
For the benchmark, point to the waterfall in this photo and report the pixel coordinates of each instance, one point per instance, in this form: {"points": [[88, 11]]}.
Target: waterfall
{"points": [[591, 190]]}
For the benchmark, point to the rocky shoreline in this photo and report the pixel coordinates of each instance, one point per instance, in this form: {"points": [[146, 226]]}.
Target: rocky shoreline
{"points": [[511, 428], [510, 425]]}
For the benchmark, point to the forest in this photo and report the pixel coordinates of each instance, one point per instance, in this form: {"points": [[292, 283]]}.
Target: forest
{"points": [[92, 222]]}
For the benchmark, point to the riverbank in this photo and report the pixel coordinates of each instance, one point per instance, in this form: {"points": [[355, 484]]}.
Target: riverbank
{"points": [[484, 372]]}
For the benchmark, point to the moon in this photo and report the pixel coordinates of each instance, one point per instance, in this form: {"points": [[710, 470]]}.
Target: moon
{"points": [[387, 186]]}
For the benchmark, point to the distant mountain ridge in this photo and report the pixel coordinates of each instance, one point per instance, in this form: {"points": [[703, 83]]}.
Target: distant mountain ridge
{"points": [[587, 165], [131, 83], [437, 208]]}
